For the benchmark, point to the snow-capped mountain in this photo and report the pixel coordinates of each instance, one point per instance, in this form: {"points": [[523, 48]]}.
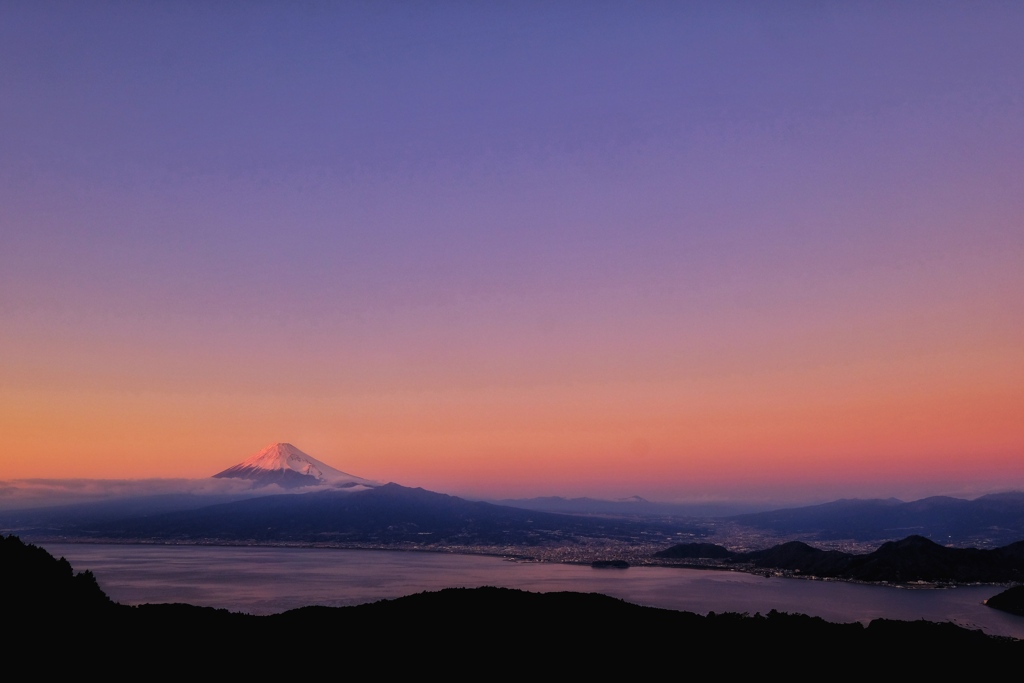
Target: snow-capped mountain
{"points": [[285, 465]]}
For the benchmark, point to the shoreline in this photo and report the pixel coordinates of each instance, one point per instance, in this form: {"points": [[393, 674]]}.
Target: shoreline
{"points": [[519, 555]]}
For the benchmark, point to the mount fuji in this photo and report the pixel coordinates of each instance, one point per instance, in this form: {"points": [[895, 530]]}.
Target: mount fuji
{"points": [[288, 467]]}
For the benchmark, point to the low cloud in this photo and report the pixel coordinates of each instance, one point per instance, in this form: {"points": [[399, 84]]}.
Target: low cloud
{"points": [[30, 493]]}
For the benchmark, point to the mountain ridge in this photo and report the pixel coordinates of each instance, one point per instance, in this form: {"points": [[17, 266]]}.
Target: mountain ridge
{"points": [[989, 520]]}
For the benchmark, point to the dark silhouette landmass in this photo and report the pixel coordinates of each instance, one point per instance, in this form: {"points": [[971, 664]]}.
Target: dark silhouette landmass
{"points": [[1010, 600], [54, 616], [31, 577], [912, 559], [609, 564]]}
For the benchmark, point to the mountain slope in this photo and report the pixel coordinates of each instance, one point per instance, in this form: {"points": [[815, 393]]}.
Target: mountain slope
{"points": [[386, 514]]}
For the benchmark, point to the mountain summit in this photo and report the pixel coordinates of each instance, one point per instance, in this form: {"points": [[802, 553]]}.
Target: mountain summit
{"points": [[285, 465]]}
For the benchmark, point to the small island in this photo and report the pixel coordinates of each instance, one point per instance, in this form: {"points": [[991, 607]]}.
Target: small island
{"points": [[609, 564]]}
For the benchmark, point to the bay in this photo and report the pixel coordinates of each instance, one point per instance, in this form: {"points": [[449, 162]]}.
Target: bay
{"points": [[268, 580]]}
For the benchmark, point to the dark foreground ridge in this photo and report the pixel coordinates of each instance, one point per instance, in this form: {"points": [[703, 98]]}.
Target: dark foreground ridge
{"points": [[65, 621], [913, 559]]}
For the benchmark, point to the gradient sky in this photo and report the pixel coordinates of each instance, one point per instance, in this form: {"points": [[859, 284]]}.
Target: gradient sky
{"points": [[681, 250]]}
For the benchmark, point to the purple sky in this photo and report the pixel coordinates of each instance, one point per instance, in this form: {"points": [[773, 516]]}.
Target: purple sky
{"points": [[472, 246]]}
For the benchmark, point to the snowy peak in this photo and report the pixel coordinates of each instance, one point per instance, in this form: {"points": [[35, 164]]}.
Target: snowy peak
{"points": [[284, 456], [285, 465]]}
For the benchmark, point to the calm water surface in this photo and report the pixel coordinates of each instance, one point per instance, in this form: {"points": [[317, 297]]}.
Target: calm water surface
{"points": [[268, 580]]}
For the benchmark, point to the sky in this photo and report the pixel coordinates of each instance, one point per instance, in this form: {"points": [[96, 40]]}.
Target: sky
{"points": [[688, 251]]}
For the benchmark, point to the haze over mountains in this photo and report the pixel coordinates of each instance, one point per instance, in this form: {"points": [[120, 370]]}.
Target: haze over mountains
{"points": [[277, 468]]}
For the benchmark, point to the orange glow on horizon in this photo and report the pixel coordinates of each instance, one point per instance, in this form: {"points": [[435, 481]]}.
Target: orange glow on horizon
{"points": [[741, 432]]}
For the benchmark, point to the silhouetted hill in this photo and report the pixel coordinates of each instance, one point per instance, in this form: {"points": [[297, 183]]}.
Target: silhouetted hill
{"points": [[990, 520], [37, 585], [1010, 600], [914, 558], [799, 557]]}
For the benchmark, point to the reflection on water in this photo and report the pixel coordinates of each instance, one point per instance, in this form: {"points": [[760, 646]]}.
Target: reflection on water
{"points": [[262, 580]]}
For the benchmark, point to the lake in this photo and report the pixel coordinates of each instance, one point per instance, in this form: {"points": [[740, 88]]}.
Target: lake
{"points": [[266, 580]]}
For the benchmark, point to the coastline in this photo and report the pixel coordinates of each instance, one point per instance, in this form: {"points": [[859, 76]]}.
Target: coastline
{"points": [[632, 555]]}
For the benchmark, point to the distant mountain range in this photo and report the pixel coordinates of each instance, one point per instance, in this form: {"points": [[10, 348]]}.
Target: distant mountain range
{"points": [[989, 520], [634, 506]]}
